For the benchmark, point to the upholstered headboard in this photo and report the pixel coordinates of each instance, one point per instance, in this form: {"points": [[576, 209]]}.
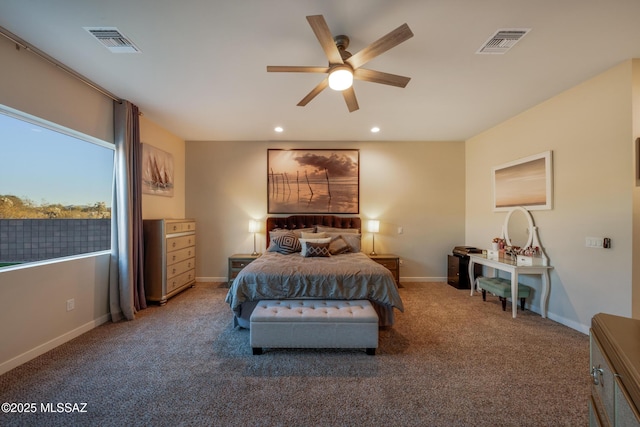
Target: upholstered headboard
{"points": [[295, 222]]}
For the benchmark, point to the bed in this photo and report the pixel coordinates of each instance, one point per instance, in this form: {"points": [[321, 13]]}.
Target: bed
{"points": [[345, 273]]}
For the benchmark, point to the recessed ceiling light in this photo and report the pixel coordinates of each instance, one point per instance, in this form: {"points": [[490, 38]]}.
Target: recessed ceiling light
{"points": [[375, 129], [278, 129]]}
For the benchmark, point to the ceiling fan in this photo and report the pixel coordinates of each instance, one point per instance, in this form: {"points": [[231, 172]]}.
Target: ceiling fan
{"points": [[344, 64]]}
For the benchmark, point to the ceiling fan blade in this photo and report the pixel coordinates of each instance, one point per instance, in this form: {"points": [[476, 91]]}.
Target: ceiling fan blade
{"points": [[295, 69], [323, 34], [314, 92], [383, 44], [380, 77], [350, 98]]}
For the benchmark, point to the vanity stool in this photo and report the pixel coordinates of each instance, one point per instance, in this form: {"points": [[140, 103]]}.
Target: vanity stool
{"points": [[502, 288]]}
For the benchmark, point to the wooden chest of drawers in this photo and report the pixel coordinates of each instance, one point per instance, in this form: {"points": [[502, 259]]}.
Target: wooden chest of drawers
{"points": [[169, 257]]}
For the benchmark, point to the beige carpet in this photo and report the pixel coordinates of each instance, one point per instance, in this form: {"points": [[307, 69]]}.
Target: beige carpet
{"points": [[450, 360]]}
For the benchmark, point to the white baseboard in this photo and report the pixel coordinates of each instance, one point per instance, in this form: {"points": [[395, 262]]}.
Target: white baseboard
{"points": [[423, 279], [50, 345], [551, 316], [210, 279]]}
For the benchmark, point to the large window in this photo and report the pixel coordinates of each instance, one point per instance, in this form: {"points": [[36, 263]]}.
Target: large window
{"points": [[55, 191]]}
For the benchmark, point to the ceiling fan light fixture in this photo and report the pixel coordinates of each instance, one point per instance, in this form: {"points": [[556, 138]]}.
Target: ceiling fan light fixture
{"points": [[340, 78]]}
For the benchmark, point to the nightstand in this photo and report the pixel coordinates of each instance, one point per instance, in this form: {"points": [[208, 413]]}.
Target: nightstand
{"points": [[391, 262], [237, 262]]}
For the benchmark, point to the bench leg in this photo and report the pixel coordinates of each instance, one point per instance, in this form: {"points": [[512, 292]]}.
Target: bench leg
{"points": [[504, 303], [371, 351], [522, 303], [257, 351], [484, 295]]}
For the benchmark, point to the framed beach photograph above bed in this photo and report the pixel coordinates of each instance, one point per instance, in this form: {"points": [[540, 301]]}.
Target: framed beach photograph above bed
{"points": [[526, 182], [322, 181]]}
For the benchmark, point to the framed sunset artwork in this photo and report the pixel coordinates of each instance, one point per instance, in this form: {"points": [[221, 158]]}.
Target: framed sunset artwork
{"points": [[322, 181]]}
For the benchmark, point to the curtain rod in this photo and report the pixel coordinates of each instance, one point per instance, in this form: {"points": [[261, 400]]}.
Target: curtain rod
{"points": [[22, 44]]}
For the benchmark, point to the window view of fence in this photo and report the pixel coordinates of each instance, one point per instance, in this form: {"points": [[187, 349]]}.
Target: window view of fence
{"points": [[55, 191]]}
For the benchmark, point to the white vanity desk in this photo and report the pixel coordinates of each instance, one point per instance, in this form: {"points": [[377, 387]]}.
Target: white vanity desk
{"points": [[518, 230], [510, 266]]}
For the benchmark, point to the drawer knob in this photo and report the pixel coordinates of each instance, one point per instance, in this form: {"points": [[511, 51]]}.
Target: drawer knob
{"points": [[596, 374]]}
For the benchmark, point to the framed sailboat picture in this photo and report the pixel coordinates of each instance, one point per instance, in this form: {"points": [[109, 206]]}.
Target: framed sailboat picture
{"points": [[157, 171]]}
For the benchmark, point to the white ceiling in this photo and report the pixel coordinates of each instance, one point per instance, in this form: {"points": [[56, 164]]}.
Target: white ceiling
{"points": [[202, 70]]}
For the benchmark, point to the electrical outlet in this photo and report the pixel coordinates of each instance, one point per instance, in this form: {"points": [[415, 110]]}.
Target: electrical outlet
{"points": [[400, 230], [401, 262], [71, 304]]}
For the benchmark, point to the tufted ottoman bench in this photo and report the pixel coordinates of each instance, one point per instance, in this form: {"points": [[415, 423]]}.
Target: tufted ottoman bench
{"points": [[314, 324]]}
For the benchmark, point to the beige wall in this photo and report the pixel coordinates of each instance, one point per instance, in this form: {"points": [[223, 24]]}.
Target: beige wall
{"points": [[415, 185], [33, 299], [32, 85], [589, 130]]}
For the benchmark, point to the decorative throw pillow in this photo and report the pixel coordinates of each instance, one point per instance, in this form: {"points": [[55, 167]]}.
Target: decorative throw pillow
{"points": [[313, 249], [305, 242], [339, 245], [298, 231], [352, 239], [305, 235], [285, 243]]}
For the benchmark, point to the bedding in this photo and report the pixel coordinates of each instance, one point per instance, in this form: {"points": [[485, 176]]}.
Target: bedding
{"points": [[295, 266], [341, 277]]}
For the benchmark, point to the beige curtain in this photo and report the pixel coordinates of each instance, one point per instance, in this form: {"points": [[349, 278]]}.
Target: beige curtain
{"points": [[126, 280]]}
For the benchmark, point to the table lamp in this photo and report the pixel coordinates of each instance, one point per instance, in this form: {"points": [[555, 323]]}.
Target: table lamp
{"points": [[373, 227]]}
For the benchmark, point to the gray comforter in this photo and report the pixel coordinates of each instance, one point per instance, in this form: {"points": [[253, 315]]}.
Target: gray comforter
{"points": [[346, 277]]}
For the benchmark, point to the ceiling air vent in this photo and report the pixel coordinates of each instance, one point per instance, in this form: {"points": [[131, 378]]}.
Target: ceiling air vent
{"points": [[503, 40], [113, 39]]}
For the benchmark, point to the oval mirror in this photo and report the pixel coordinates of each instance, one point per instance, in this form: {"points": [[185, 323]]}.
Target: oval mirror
{"points": [[518, 228]]}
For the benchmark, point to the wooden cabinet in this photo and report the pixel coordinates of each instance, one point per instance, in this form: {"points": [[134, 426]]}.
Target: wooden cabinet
{"points": [[169, 257], [615, 371], [236, 263], [391, 262]]}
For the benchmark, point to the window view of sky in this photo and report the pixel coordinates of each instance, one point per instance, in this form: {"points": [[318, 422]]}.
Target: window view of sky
{"points": [[48, 167]]}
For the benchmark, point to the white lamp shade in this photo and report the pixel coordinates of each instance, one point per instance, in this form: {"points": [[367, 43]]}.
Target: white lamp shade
{"points": [[340, 78], [254, 227], [373, 226]]}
